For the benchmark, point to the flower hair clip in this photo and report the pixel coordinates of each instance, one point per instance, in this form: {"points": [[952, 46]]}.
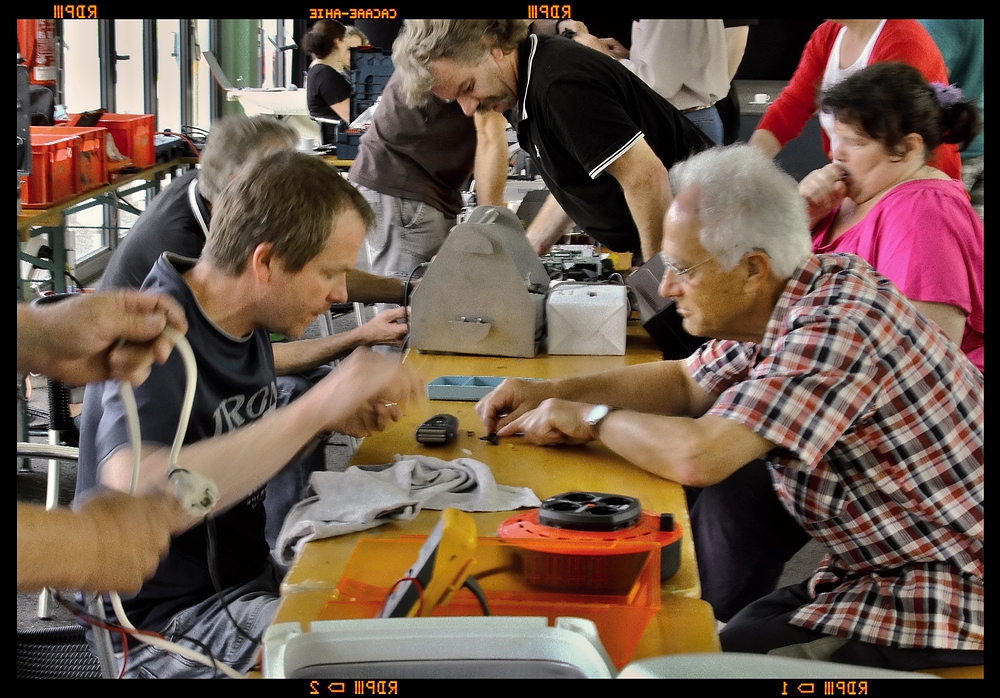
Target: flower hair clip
{"points": [[946, 95]]}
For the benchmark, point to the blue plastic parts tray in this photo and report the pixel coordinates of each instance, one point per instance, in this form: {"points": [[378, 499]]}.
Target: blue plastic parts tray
{"points": [[462, 387]]}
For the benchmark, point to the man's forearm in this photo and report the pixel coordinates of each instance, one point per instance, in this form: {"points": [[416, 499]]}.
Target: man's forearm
{"points": [[363, 287], [766, 141], [695, 452], [32, 354], [110, 541], [62, 549], [361, 396], [550, 224], [648, 203], [491, 158], [659, 387], [644, 181], [305, 354], [237, 462], [45, 548]]}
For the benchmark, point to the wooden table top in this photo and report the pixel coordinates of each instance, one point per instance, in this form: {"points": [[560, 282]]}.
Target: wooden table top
{"points": [[546, 470]]}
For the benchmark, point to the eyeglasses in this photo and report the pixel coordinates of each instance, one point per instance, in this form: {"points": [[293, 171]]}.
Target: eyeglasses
{"points": [[681, 273]]}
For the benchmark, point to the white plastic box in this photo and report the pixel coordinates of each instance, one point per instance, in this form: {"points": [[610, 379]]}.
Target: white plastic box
{"points": [[587, 319], [386, 650], [452, 647]]}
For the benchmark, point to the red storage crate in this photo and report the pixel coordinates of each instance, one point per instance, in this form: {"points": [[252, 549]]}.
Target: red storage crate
{"points": [[92, 165], [133, 134], [53, 175]]}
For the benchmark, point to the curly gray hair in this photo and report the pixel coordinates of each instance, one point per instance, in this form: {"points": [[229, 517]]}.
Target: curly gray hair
{"points": [[422, 41]]}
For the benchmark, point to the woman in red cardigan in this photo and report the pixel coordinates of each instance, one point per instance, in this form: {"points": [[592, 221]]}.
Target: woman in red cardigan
{"points": [[837, 49]]}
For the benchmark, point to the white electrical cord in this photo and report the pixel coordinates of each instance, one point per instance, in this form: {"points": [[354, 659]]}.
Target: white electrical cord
{"points": [[196, 493]]}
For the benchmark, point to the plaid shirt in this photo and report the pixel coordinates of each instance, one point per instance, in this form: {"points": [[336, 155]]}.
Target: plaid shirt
{"points": [[878, 421]]}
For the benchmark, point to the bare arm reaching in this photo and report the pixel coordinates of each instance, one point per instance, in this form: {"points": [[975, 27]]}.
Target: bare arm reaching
{"points": [[114, 541], [491, 157], [692, 451], [550, 224], [363, 395], [647, 191], [368, 288], [625, 388]]}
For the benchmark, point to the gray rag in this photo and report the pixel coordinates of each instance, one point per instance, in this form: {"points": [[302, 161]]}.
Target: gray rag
{"points": [[360, 498]]}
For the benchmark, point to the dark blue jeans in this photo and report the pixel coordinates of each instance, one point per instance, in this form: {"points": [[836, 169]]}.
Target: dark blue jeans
{"points": [[743, 537], [763, 628]]}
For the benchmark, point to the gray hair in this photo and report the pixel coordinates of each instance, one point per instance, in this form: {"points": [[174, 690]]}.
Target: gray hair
{"points": [[745, 203], [232, 142], [422, 41], [350, 30]]}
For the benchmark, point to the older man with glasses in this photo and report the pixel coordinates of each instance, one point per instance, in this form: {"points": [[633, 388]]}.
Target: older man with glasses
{"points": [[870, 420]]}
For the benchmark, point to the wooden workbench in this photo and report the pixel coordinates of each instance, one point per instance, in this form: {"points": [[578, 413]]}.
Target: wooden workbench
{"points": [[684, 623]]}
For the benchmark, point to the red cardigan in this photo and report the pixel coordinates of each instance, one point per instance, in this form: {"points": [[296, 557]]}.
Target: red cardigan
{"points": [[902, 40]]}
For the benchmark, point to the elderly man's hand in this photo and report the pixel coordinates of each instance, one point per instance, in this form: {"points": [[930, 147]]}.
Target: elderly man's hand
{"points": [[553, 422], [510, 400]]}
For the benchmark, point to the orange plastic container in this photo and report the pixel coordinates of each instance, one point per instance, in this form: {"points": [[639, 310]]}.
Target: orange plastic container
{"points": [[503, 572], [53, 175], [92, 165], [133, 134]]}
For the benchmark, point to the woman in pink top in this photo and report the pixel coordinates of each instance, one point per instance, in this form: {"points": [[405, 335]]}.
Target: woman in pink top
{"points": [[837, 49], [880, 200]]}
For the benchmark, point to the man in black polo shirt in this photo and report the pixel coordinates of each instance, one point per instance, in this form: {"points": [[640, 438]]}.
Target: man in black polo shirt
{"points": [[601, 138]]}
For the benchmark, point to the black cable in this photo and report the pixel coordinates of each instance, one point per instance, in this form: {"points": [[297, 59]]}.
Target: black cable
{"points": [[409, 280], [45, 252], [405, 298], [80, 612], [73, 279], [472, 585], [214, 574]]}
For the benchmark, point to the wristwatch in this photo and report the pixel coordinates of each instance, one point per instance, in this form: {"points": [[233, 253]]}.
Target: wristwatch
{"points": [[596, 416]]}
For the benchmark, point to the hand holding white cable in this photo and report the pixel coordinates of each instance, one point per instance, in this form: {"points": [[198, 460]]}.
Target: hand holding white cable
{"points": [[196, 493]]}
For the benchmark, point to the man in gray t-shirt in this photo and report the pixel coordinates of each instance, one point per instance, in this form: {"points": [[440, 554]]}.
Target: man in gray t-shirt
{"points": [[284, 234]]}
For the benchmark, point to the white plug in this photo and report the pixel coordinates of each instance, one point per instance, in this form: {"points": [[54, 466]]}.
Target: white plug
{"points": [[196, 493]]}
